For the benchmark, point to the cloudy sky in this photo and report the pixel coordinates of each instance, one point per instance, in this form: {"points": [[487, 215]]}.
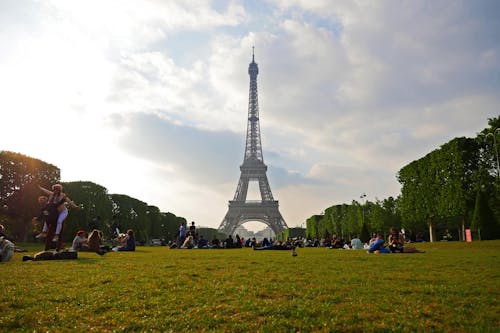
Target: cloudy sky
{"points": [[150, 98]]}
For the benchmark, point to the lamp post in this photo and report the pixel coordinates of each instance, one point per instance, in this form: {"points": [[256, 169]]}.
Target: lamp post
{"points": [[363, 196]]}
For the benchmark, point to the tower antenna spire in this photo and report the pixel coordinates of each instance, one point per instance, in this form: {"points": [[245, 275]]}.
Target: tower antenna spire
{"points": [[253, 53]]}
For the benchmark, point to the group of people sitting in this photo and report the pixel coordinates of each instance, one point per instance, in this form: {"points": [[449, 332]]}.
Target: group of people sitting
{"points": [[395, 244], [200, 242], [233, 243], [91, 243], [94, 242], [276, 245]]}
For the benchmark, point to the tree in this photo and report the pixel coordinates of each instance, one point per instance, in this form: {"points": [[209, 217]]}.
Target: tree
{"points": [[312, 226], [460, 164], [440, 185], [19, 177], [94, 201], [155, 222], [483, 219], [170, 225], [488, 179], [365, 234], [335, 216], [132, 214], [352, 219]]}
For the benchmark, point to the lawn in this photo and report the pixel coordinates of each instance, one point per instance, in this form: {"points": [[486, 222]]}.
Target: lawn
{"points": [[453, 287]]}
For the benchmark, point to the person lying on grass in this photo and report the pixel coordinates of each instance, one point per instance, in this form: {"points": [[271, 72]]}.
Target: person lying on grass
{"points": [[52, 255]]}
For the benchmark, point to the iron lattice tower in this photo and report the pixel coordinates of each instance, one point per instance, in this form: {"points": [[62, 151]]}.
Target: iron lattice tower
{"points": [[253, 168]]}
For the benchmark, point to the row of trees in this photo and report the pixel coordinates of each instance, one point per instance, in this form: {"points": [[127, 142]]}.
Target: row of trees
{"points": [[355, 219], [454, 187], [20, 176]]}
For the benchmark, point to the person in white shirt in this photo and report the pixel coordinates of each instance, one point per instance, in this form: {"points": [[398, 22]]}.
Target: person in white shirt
{"points": [[80, 241], [356, 244]]}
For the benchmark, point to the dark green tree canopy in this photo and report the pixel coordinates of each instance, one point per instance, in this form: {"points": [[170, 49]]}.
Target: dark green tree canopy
{"points": [[20, 176]]}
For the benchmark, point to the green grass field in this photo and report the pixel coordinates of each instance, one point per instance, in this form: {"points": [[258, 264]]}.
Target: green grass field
{"points": [[453, 287]]}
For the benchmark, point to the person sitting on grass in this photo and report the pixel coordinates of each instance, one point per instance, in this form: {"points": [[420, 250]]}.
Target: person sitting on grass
{"points": [[396, 241], [202, 243], [127, 242], [356, 244], [397, 244], [377, 246], [277, 245], [372, 239], [7, 248], [336, 243], [188, 243], [253, 242], [265, 242], [215, 242], [94, 242], [229, 242], [80, 241]]}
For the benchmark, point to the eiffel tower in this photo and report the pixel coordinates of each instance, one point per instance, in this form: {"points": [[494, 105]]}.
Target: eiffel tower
{"points": [[253, 168]]}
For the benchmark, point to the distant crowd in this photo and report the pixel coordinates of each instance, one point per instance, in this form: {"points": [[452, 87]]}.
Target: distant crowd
{"points": [[188, 238]]}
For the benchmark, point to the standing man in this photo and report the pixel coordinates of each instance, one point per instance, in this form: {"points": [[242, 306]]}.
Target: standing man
{"points": [[192, 232], [182, 234]]}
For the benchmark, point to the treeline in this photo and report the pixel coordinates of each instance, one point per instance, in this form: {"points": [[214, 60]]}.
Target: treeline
{"points": [[454, 188], [355, 219], [20, 176]]}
